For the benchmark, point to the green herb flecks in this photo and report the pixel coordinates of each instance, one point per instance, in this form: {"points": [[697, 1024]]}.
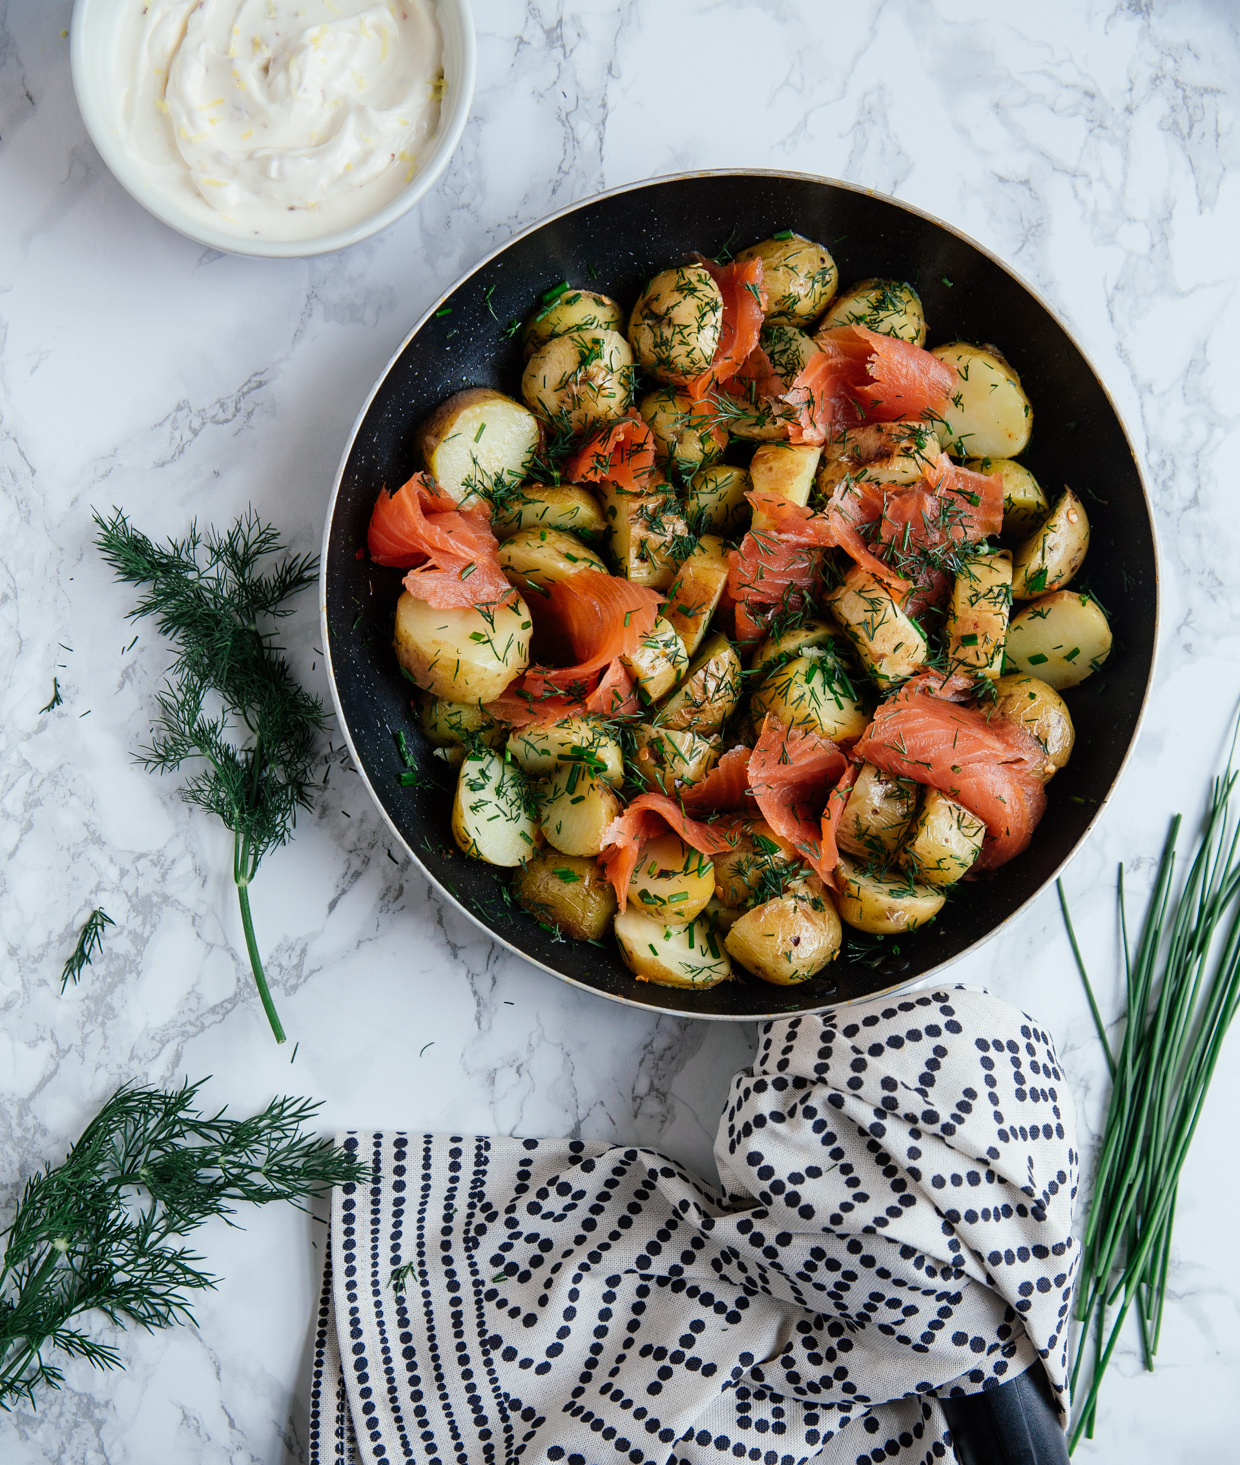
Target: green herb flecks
{"points": [[100, 1232], [210, 596], [55, 700], [90, 939]]}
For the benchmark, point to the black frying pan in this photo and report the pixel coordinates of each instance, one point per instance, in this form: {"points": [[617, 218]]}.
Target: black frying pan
{"points": [[612, 243]]}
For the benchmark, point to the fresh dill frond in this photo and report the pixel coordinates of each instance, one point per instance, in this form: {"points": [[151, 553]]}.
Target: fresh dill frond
{"points": [[99, 1232], [90, 939], [56, 699], [211, 596]]}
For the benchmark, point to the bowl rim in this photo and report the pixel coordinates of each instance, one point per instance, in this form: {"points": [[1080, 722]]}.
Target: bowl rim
{"points": [[114, 155], [923, 978]]}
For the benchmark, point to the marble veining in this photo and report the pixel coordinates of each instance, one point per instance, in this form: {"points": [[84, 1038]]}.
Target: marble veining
{"points": [[1094, 146]]}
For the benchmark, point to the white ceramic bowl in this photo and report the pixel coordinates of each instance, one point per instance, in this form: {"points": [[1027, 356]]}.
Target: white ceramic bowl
{"points": [[91, 48]]}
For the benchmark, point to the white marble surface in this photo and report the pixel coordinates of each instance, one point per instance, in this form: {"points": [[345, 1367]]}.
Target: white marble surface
{"points": [[1092, 145]]}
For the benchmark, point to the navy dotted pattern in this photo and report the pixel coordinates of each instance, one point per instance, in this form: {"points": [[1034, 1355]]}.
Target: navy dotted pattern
{"points": [[894, 1226]]}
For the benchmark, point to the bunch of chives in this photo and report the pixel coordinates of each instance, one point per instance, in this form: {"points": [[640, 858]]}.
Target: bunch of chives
{"points": [[1183, 988]]}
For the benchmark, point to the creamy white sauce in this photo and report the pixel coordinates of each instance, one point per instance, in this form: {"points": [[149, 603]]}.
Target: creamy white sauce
{"points": [[279, 119]]}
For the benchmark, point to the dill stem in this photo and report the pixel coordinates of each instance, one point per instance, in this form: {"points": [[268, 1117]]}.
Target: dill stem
{"points": [[256, 962]]}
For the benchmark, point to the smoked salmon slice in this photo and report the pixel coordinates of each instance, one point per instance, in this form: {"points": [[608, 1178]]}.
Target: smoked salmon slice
{"points": [[725, 787], [535, 697], [452, 550], [622, 453], [744, 306], [905, 380], [985, 765], [647, 817], [791, 772]]}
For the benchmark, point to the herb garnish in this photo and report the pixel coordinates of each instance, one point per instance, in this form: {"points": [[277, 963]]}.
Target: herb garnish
{"points": [[90, 939]]}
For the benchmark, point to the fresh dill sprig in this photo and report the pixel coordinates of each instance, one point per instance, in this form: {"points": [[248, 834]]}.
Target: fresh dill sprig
{"points": [[55, 700], [90, 939], [211, 598], [99, 1232]]}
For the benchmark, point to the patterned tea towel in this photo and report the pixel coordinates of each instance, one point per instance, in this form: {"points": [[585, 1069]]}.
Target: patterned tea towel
{"points": [[893, 1224]]}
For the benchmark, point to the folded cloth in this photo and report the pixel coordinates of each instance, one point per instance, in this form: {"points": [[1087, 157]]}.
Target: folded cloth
{"points": [[893, 1224]]}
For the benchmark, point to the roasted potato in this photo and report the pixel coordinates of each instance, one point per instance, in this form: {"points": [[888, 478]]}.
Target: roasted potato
{"points": [[1025, 506], [563, 506], [786, 469], [708, 695], [671, 882], [671, 956], [543, 746], [885, 905], [945, 841], [715, 501], [759, 866], [890, 453], [674, 328], [453, 726], [811, 691], [786, 646], [887, 641], [800, 277], [1052, 555], [1061, 639], [1041, 711], [580, 381], [534, 559], [468, 654], [567, 891], [890, 307], [477, 443], [988, 415], [687, 434], [695, 593], [577, 807], [977, 617], [659, 662], [572, 312], [671, 760], [492, 814], [788, 939], [647, 532], [789, 351], [878, 813]]}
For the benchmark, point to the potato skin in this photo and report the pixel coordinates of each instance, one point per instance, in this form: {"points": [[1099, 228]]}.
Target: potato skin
{"points": [[785, 469], [564, 506], [453, 726], [708, 695], [806, 692], [568, 891], [671, 761], [715, 500], [800, 276], [674, 326], [988, 415], [1025, 506], [646, 532], [890, 453], [695, 593], [878, 813], [977, 618], [682, 438], [437, 649], [580, 381], [535, 559], [944, 842], [671, 956], [789, 939], [575, 311], [1041, 711], [659, 662], [1049, 559], [671, 883], [1061, 639], [476, 438], [887, 641], [885, 906], [542, 747], [577, 807], [759, 861], [889, 307]]}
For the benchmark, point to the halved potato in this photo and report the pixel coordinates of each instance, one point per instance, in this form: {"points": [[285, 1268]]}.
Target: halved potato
{"points": [[577, 807], [708, 695], [695, 593], [988, 415], [809, 691], [788, 349], [789, 939], [542, 747], [800, 277], [977, 618], [721, 918], [945, 840], [786, 469], [887, 641], [674, 328], [453, 726], [1061, 639], [891, 453], [468, 654], [686, 433], [1050, 557], [580, 381], [568, 891], [659, 662], [759, 867], [786, 646], [715, 500], [890, 307], [878, 813], [885, 905], [671, 956], [562, 506], [1042, 712], [534, 559], [572, 311], [477, 443], [647, 532], [492, 819], [1025, 506], [671, 883], [671, 759]]}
